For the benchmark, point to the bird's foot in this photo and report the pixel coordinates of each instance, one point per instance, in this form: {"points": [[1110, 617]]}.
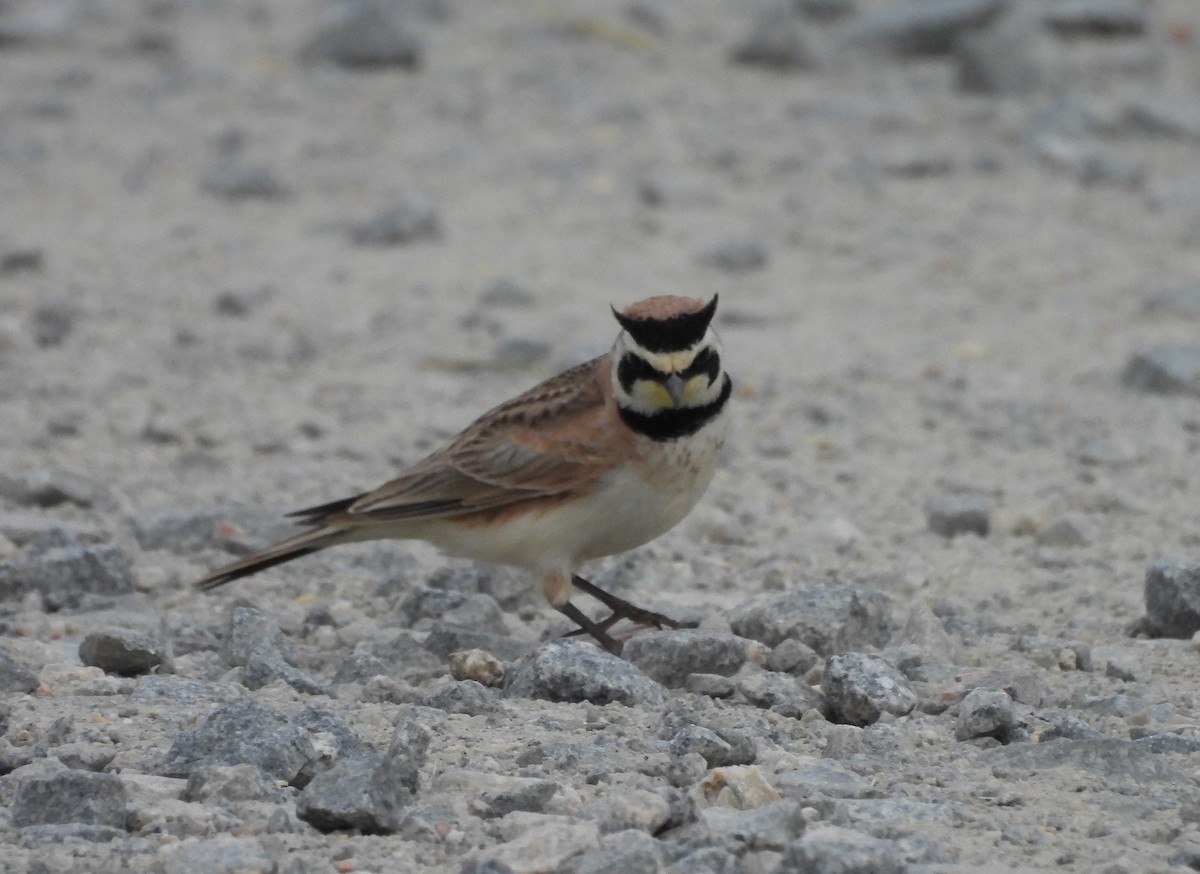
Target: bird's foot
{"points": [[621, 609]]}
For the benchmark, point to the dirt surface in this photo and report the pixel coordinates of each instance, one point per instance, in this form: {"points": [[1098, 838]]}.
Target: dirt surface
{"points": [[925, 294]]}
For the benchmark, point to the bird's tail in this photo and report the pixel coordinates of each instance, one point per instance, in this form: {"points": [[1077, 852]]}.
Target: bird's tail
{"points": [[294, 547]]}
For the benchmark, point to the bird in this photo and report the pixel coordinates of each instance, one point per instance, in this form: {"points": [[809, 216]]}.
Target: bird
{"points": [[598, 460]]}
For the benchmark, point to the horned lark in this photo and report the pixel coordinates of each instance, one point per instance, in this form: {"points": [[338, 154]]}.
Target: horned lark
{"points": [[595, 461]]}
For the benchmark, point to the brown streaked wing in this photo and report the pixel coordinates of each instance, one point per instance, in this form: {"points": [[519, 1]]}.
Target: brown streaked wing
{"points": [[538, 444]]}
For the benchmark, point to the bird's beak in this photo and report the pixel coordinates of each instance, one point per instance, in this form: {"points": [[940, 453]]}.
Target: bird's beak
{"points": [[674, 386]]}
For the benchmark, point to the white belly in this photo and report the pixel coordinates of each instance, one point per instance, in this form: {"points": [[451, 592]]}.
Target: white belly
{"points": [[629, 507]]}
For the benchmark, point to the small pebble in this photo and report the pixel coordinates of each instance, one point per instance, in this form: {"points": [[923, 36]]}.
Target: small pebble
{"points": [[478, 665], [1172, 596], [119, 651], [363, 34], [1165, 370], [953, 514], [406, 221]]}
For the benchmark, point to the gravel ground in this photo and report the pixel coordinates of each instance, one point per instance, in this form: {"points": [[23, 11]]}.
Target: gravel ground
{"points": [[258, 255]]}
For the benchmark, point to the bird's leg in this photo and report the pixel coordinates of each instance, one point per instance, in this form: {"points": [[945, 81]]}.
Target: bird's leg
{"points": [[621, 608], [598, 630]]}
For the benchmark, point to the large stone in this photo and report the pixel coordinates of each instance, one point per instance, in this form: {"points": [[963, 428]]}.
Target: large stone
{"points": [[835, 850], [669, 656], [574, 670], [70, 797], [368, 792], [829, 616], [243, 732], [860, 688]]}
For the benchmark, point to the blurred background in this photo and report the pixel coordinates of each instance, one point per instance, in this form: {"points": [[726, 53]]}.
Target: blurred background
{"points": [[262, 252]]}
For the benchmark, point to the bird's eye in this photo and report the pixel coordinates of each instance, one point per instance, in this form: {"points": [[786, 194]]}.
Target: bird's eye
{"points": [[633, 368]]}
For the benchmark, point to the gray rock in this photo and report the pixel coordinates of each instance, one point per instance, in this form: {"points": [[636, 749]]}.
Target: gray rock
{"points": [[630, 808], [224, 784], [686, 770], [1063, 532], [504, 292], [241, 303], [531, 796], [776, 41], [1108, 757], [736, 256], [1088, 161], [1066, 726], [712, 685], [189, 530], [52, 321], [355, 793], [363, 34], [985, 713], [120, 651], [332, 739], [251, 632], [825, 10], [953, 514], [451, 607], [406, 221], [222, 853], [1105, 18], [624, 852], [711, 860], [47, 487], [1183, 301], [670, 656], [359, 667], [70, 796], [466, 696], [25, 259], [167, 688], [770, 826], [821, 780], [780, 693], [828, 616], [230, 179], [412, 661], [1166, 115], [1168, 369], [792, 656], [921, 27], [719, 747], [517, 352], [66, 575], [574, 670], [42, 532], [15, 677], [368, 792], [445, 639], [265, 667], [1172, 597], [35, 837], [859, 688], [242, 732], [834, 850], [256, 645]]}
